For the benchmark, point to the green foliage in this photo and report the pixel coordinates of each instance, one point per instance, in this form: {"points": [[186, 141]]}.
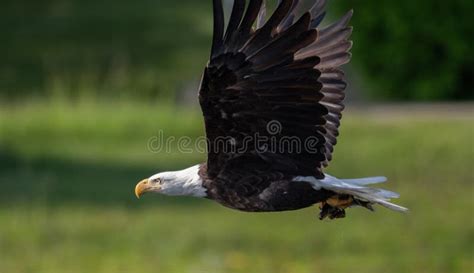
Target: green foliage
{"points": [[111, 48], [67, 205], [414, 50], [150, 49]]}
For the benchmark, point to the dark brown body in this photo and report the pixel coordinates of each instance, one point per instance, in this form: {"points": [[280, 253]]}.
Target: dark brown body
{"points": [[271, 195]]}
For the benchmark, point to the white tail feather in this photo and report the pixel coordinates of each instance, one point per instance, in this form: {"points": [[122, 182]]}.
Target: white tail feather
{"points": [[366, 181], [355, 187]]}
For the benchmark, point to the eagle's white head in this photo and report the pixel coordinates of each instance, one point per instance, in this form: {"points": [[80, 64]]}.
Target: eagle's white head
{"points": [[186, 182]]}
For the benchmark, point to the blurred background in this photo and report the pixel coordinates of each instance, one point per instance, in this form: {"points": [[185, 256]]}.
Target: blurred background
{"points": [[85, 85]]}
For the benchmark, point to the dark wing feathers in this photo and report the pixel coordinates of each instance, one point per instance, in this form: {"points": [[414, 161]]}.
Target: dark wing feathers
{"points": [[317, 13], [290, 17], [264, 35], [235, 18], [262, 15], [218, 27], [282, 70]]}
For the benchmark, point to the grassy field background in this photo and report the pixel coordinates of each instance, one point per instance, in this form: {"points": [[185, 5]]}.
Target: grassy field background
{"points": [[67, 173]]}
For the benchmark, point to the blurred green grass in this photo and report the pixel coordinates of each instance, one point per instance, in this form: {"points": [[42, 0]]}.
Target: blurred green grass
{"points": [[68, 170]]}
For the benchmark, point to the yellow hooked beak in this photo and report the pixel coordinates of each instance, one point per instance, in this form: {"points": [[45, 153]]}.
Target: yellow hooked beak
{"points": [[142, 187]]}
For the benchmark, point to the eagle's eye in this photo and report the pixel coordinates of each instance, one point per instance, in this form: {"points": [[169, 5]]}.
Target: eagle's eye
{"points": [[158, 180]]}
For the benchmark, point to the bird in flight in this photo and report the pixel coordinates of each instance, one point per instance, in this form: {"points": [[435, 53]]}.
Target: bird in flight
{"points": [[272, 97]]}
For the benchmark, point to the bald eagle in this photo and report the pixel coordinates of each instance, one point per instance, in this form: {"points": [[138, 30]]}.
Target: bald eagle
{"points": [[272, 96]]}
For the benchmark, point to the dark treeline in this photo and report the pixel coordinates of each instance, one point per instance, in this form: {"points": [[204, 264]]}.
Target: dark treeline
{"points": [[405, 50]]}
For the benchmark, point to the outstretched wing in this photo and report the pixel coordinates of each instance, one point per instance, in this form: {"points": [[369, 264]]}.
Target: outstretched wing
{"points": [[272, 92]]}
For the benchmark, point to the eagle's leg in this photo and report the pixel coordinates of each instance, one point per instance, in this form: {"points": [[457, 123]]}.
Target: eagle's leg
{"points": [[331, 212], [334, 207], [340, 201]]}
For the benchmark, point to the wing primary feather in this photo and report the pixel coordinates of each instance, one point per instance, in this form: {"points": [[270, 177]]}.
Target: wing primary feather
{"points": [[280, 13], [235, 18], [250, 16], [262, 15], [281, 44], [289, 19], [339, 24], [218, 27], [335, 60], [263, 36], [344, 46], [325, 42], [316, 21], [318, 8]]}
